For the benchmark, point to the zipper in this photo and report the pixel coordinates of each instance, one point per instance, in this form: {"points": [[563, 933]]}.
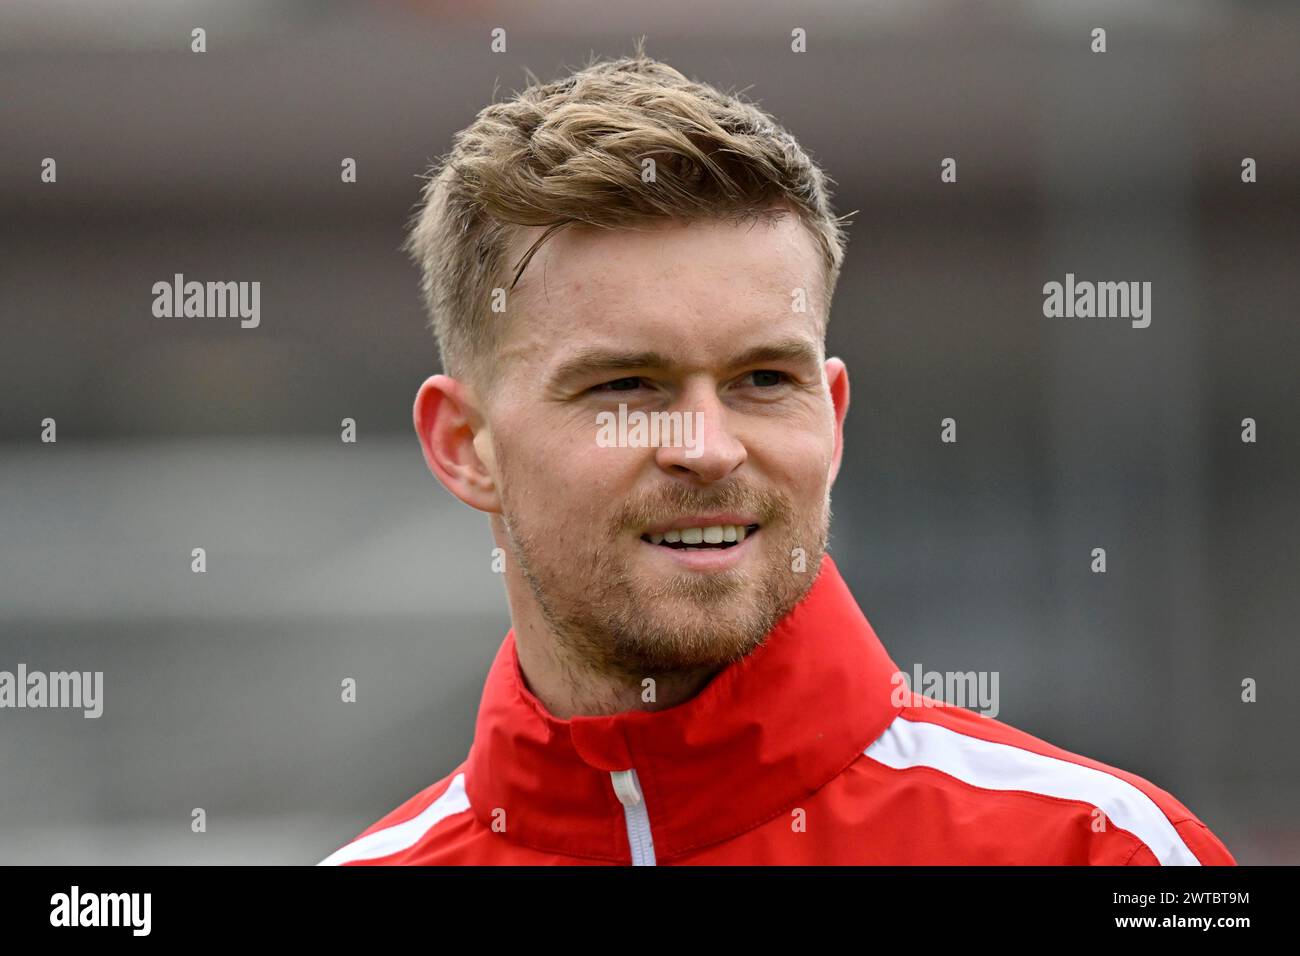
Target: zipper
{"points": [[628, 789]]}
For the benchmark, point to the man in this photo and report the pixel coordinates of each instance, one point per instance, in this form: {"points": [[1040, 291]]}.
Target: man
{"points": [[687, 679]]}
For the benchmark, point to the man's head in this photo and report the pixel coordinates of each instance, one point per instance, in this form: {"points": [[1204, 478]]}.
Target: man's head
{"points": [[628, 237]]}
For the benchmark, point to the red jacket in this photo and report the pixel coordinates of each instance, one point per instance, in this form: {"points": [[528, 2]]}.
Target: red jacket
{"points": [[802, 753]]}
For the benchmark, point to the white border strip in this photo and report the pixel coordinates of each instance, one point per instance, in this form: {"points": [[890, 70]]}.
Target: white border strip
{"points": [[993, 766], [402, 836]]}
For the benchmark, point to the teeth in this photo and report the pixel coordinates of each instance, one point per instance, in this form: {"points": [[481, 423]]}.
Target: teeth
{"points": [[713, 534]]}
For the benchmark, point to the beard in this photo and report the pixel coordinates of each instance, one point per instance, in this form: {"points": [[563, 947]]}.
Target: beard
{"points": [[611, 617]]}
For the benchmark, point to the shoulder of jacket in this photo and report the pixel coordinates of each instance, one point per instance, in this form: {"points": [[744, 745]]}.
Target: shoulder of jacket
{"points": [[993, 756], [407, 825]]}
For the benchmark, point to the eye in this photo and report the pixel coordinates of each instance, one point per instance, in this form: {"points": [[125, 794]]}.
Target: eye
{"points": [[766, 377], [630, 384]]}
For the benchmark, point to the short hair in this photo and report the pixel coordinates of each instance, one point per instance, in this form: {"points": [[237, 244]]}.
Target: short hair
{"points": [[572, 151]]}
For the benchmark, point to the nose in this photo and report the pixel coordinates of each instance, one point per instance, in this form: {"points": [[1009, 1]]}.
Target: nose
{"points": [[708, 451]]}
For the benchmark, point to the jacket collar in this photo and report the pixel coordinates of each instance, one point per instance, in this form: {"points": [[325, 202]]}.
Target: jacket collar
{"points": [[764, 734]]}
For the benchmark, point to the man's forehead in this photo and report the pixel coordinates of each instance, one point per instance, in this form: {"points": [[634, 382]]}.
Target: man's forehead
{"points": [[772, 251], [667, 287]]}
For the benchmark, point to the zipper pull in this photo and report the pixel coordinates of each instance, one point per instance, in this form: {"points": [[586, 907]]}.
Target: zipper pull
{"points": [[625, 787]]}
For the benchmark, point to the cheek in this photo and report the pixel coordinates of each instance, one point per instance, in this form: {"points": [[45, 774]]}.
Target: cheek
{"points": [[561, 479], [799, 461]]}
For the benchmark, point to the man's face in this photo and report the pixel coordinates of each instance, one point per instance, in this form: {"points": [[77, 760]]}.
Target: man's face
{"points": [[699, 319]]}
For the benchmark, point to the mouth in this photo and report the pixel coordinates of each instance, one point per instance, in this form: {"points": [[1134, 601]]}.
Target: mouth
{"points": [[717, 537]]}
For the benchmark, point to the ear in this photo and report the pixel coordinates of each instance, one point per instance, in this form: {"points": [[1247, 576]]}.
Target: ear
{"points": [[837, 378], [449, 425]]}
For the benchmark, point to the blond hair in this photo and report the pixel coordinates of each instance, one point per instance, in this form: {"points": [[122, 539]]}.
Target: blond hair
{"points": [[572, 151]]}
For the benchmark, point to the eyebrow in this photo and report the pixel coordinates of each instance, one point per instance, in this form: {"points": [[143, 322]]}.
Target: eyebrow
{"points": [[590, 361]]}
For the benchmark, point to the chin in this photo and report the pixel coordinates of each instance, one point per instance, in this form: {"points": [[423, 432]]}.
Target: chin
{"points": [[683, 652]]}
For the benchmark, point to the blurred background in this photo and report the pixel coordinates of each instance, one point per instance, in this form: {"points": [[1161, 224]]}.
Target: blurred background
{"points": [[329, 560]]}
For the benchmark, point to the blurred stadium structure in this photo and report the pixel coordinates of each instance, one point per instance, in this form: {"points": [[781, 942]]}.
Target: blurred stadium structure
{"points": [[329, 560]]}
